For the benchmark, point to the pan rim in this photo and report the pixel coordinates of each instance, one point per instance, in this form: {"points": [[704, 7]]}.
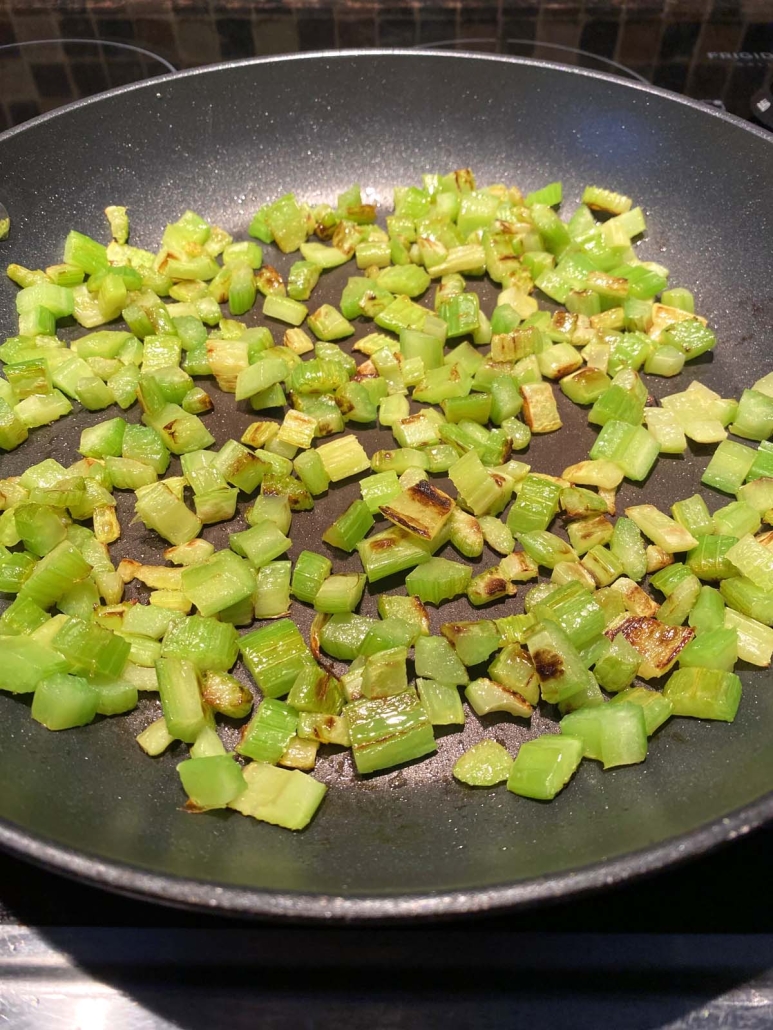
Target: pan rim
{"points": [[135, 881], [463, 55], [335, 909]]}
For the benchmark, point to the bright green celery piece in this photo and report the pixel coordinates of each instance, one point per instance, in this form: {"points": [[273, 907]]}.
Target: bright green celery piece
{"points": [[441, 702], [709, 560], [388, 731], [159, 509], [746, 597], [708, 612], [311, 472], [40, 527], [326, 729], [268, 733], [576, 612], [316, 691], [260, 544], [435, 658], [180, 431], [486, 696], [514, 669], [142, 443], [21, 616], [54, 574], [340, 593], [586, 385], [105, 438], [631, 447], [284, 797], [350, 527], [657, 709], [311, 570], [679, 603], [147, 620], [212, 781], [438, 580], [342, 636], [662, 530], [13, 431], [546, 548], [559, 666], [544, 766], [704, 693], [416, 344], [483, 765], [219, 582], [617, 669], [628, 547], [474, 640], [127, 474], [758, 494], [209, 644], [689, 336], [114, 695], [25, 662], [394, 550], [619, 404], [399, 460], [343, 458], [736, 519], [408, 609], [730, 464], [715, 649], [90, 649], [441, 383], [384, 674], [274, 655], [379, 489], [612, 734], [589, 532], [62, 702], [178, 687], [752, 560], [329, 324], [755, 641], [536, 505], [225, 694], [762, 466], [693, 514]]}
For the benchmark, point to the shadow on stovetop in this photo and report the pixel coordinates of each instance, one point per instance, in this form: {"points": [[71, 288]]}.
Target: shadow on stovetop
{"points": [[671, 951]]}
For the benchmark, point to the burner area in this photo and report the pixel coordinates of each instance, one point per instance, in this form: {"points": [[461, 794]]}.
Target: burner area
{"points": [[720, 51]]}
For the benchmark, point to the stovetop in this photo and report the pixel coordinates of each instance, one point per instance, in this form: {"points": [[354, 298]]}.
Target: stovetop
{"points": [[689, 947], [720, 51]]}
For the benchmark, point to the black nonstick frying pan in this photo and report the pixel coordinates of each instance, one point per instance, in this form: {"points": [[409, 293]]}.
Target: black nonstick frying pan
{"points": [[225, 139]]}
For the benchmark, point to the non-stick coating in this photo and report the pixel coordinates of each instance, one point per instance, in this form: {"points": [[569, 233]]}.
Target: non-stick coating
{"points": [[224, 140]]}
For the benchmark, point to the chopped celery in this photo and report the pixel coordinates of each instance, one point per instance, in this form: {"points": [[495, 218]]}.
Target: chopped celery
{"points": [[544, 766]]}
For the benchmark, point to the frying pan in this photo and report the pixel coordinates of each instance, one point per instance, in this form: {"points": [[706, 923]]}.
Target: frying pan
{"points": [[225, 139]]}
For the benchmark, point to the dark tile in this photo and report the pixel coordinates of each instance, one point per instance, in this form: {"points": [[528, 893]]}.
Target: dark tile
{"points": [[355, 31], [154, 32], [721, 37], [51, 80], [671, 76], [316, 29], [678, 40], [115, 28], [122, 70], [759, 37], [707, 81], [600, 37], [515, 27], [397, 32], [75, 27], [22, 110], [7, 35], [479, 21], [640, 41], [190, 6], [436, 26], [5, 121], [725, 10], [276, 33], [235, 37], [89, 77]]}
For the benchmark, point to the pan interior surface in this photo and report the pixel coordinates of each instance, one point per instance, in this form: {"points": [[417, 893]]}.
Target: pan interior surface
{"points": [[225, 140]]}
